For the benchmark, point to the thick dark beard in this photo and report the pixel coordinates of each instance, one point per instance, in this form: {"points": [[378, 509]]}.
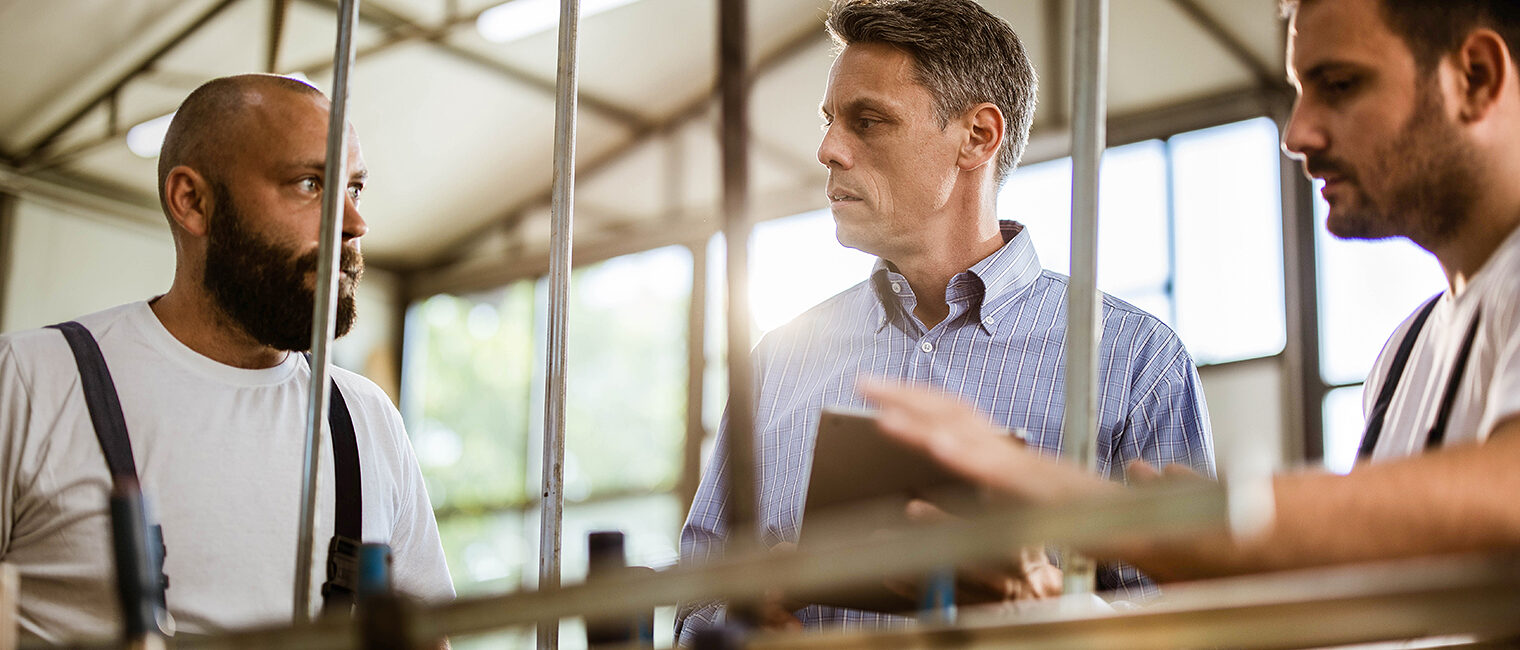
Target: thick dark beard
{"points": [[261, 286], [1431, 168]]}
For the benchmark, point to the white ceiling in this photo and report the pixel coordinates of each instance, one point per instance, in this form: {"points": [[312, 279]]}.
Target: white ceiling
{"points": [[458, 131]]}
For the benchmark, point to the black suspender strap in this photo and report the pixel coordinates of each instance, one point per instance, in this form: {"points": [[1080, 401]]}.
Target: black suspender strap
{"points": [[1391, 383], [338, 592], [100, 398], [111, 430], [1437, 433]]}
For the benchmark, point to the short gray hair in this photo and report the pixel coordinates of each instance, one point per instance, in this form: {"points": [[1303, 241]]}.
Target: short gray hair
{"points": [[961, 52]]}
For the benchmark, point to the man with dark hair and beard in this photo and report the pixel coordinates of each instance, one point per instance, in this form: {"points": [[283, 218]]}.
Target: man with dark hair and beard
{"points": [[213, 390], [1409, 110]]}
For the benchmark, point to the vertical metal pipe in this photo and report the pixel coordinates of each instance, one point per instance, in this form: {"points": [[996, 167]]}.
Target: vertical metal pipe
{"points": [[551, 514], [696, 371], [1083, 310], [277, 11], [335, 182], [1304, 385], [7, 248], [733, 83]]}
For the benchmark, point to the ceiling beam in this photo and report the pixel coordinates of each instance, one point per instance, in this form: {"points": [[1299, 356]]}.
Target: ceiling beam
{"points": [[1230, 41], [40, 147], [456, 249], [693, 227], [94, 196], [401, 30]]}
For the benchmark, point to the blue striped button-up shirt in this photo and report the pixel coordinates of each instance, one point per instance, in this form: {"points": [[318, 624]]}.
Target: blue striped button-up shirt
{"points": [[1000, 349]]}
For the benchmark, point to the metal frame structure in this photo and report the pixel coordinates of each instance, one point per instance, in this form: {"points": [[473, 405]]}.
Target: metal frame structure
{"points": [[7, 243], [1084, 309], [324, 312], [749, 573], [561, 236]]}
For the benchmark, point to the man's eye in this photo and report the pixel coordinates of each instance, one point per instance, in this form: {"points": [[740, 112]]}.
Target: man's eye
{"points": [[355, 191], [1338, 86], [863, 123], [310, 184]]}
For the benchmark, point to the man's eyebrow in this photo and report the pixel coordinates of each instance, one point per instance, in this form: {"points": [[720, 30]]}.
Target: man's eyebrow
{"points": [[858, 105], [321, 166], [1321, 70]]}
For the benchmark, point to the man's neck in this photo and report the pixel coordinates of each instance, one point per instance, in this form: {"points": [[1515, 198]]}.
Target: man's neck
{"points": [[929, 272], [1468, 251], [193, 318]]}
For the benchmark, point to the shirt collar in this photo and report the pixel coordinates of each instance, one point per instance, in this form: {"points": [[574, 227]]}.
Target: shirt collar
{"points": [[990, 285]]}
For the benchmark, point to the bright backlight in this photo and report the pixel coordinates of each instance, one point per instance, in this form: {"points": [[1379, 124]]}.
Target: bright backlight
{"points": [[517, 19], [147, 138]]}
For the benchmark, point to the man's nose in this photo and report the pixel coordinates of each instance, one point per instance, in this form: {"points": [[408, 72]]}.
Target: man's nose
{"points": [[354, 226], [831, 151], [1304, 134]]}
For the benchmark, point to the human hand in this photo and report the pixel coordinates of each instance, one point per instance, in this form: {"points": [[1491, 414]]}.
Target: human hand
{"points": [[1026, 575], [1139, 471], [964, 441], [777, 612]]}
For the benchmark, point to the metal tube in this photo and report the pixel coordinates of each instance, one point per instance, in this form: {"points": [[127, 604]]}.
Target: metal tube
{"points": [[1083, 309], [7, 249], [335, 195], [854, 553], [551, 513], [732, 49]]}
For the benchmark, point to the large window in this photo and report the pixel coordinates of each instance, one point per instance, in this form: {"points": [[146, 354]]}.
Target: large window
{"points": [[1365, 290], [474, 406], [1190, 230]]}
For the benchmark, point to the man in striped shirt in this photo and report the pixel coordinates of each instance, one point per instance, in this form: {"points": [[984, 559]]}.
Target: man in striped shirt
{"points": [[927, 111], [1410, 112]]}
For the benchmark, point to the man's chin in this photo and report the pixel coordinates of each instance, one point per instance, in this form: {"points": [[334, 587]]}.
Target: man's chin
{"points": [[1349, 224]]}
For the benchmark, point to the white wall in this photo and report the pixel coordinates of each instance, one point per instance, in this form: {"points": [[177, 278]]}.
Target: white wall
{"points": [[67, 261]]}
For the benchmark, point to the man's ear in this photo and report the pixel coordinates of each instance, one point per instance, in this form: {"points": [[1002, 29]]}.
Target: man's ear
{"points": [[187, 196], [984, 125], [1483, 74]]}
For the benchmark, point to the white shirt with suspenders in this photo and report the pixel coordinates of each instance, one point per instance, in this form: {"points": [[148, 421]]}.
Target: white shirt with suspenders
{"points": [[218, 451], [1461, 377]]}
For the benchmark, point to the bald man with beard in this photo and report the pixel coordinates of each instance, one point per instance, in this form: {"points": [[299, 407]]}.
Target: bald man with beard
{"points": [[213, 390]]}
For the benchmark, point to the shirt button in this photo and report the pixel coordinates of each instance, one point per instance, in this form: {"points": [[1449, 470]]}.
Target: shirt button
{"points": [[926, 346], [896, 287], [989, 321]]}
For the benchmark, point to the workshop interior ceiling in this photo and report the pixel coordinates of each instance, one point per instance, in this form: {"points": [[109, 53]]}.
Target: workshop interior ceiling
{"points": [[458, 130]]}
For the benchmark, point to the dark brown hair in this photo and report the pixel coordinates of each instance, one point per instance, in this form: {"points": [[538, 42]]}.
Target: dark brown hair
{"points": [[962, 53], [1434, 28]]}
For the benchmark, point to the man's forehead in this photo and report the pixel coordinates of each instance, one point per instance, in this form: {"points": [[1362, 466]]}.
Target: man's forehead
{"points": [[1330, 32], [293, 129], [872, 72]]}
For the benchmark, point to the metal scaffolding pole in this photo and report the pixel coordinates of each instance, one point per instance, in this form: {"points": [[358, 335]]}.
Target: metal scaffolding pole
{"points": [[1083, 309], [335, 177], [551, 513], [734, 85]]}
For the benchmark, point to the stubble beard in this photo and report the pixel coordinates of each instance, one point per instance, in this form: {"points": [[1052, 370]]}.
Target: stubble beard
{"points": [[1428, 170]]}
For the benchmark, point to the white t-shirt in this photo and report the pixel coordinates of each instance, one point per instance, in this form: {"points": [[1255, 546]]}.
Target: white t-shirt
{"points": [[218, 452], [1489, 391]]}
